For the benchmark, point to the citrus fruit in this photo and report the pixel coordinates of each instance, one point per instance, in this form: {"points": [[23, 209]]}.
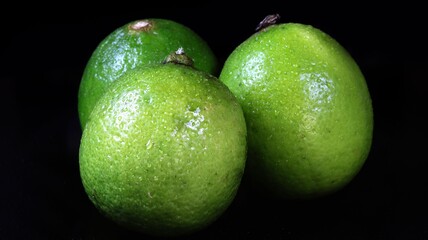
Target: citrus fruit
{"points": [[307, 107], [164, 150], [134, 44]]}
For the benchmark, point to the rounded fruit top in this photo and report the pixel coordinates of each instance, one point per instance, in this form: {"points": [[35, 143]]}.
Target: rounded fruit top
{"points": [[135, 44], [307, 107], [164, 150]]}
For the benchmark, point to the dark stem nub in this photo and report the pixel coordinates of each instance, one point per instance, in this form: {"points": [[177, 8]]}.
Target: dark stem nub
{"points": [[179, 57], [269, 20]]}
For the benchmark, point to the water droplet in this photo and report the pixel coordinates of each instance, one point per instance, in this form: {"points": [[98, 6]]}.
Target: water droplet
{"points": [[149, 144], [201, 131], [148, 99], [174, 132]]}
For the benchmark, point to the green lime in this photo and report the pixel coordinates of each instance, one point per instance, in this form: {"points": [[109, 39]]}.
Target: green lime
{"points": [[307, 107], [164, 150], [134, 44]]}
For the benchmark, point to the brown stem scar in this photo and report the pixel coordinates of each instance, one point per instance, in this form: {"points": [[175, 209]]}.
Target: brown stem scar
{"points": [[268, 21], [141, 25]]}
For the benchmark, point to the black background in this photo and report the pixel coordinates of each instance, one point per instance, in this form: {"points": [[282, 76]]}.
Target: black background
{"points": [[42, 60]]}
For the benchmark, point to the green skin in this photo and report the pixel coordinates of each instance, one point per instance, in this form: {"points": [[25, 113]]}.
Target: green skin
{"points": [[164, 150], [136, 44], [308, 110]]}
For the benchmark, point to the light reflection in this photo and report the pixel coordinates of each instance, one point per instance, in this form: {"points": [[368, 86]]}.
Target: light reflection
{"points": [[254, 69], [318, 87], [125, 108], [195, 123]]}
